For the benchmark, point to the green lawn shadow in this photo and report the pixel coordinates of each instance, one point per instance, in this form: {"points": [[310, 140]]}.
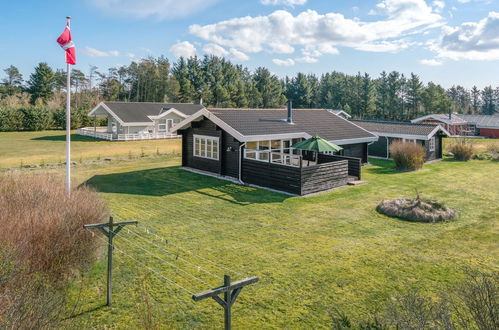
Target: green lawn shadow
{"points": [[62, 137], [382, 166], [174, 180]]}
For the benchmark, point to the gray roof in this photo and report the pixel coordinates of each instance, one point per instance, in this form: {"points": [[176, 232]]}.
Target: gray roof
{"points": [[394, 128], [313, 122], [482, 120], [455, 119], [138, 112]]}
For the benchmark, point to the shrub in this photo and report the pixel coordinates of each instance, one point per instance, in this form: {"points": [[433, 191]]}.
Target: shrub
{"points": [[407, 156], [11, 120], [42, 243], [462, 150], [37, 118], [473, 304], [493, 151]]}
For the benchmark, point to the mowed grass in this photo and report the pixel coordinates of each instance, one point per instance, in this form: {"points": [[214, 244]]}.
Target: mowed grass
{"points": [[44, 147], [312, 255]]}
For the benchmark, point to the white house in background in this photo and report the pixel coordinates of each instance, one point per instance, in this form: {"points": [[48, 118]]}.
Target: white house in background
{"points": [[341, 113], [138, 120]]}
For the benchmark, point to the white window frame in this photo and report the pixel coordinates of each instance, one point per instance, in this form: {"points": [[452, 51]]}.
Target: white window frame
{"points": [[431, 144], [409, 140], [201, 149], [274, 155]]}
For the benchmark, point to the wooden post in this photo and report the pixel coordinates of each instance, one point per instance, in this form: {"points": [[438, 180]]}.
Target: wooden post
{"points": [[107, 229], [109, 263], [230, 291], [227, 298]]}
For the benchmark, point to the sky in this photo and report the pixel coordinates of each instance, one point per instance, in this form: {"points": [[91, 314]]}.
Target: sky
{"points": [[450, 42]]}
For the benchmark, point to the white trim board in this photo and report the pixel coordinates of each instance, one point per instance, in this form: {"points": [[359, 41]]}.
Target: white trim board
{"points": [[102, 104], [172, 110]]}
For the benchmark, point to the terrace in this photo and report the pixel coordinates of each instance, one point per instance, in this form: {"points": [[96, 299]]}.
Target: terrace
{"points": [[274, 163], [104, 134]]}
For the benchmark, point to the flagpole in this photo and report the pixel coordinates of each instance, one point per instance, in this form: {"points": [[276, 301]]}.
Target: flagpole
{"points": [[68, 126]]}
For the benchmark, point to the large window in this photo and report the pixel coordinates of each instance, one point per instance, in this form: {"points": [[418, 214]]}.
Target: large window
{"points": [[275, 151], [206, 147], [431, 144]]}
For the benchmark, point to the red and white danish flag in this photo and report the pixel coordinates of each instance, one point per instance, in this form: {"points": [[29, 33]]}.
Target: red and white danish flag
{"points": [[66, 42]]}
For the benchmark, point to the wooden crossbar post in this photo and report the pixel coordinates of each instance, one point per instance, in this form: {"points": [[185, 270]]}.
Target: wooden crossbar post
{"points": [[230, 290], [110, 230]]}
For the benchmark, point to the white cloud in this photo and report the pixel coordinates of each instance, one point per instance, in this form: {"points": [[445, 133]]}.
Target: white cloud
{"points": [[183, 49], [131, 55], [287, 62], [289, 3], [238, 55], [92, 52], [160, 9], [471, 40], [430, 62], [317, 34], [214, 49], [438, 5], [307, 59]]}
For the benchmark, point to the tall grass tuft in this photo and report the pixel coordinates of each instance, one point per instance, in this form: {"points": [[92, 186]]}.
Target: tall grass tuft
{"points": [[462, 150], [407, 156], [42, 244]]}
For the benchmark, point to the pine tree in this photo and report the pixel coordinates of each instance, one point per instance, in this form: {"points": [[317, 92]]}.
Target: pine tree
{"points": [[475, 99], [269, 87], [41, 83], [368, 98], [382, 99], [414, 91], [488, 101]]}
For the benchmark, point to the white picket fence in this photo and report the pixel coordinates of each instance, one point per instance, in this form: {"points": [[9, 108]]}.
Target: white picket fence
{"points": [[98, 133]]}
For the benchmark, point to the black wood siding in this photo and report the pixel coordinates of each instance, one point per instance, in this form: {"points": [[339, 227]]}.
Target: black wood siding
{"points": [[230, 152], [357, 150], [378, 148], [204, 127], [437, 153]]}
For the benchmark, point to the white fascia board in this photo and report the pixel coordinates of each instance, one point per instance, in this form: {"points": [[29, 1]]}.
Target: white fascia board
{"points": [[353, 141], [102, 104], [438, 128], [402, 136], [282, 136], [172, 110], [147, 123], [203, 112]]}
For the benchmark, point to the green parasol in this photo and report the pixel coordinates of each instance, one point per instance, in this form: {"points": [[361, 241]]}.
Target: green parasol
{"points": [[316, 144]]}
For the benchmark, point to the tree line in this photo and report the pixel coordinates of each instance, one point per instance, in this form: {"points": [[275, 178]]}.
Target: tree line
{"points": [[38, 102]]}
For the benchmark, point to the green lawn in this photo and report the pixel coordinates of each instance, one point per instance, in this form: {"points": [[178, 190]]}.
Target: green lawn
{"points": [[45, 147], [312, 254]]}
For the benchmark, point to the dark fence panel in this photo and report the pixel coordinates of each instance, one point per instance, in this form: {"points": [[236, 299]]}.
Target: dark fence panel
{"points": [[324, 176], [265, 174], [354, 164]]}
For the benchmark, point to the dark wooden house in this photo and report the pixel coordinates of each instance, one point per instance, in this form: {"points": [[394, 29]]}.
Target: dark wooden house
{"points": [[254, 147], [427, 135]]}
